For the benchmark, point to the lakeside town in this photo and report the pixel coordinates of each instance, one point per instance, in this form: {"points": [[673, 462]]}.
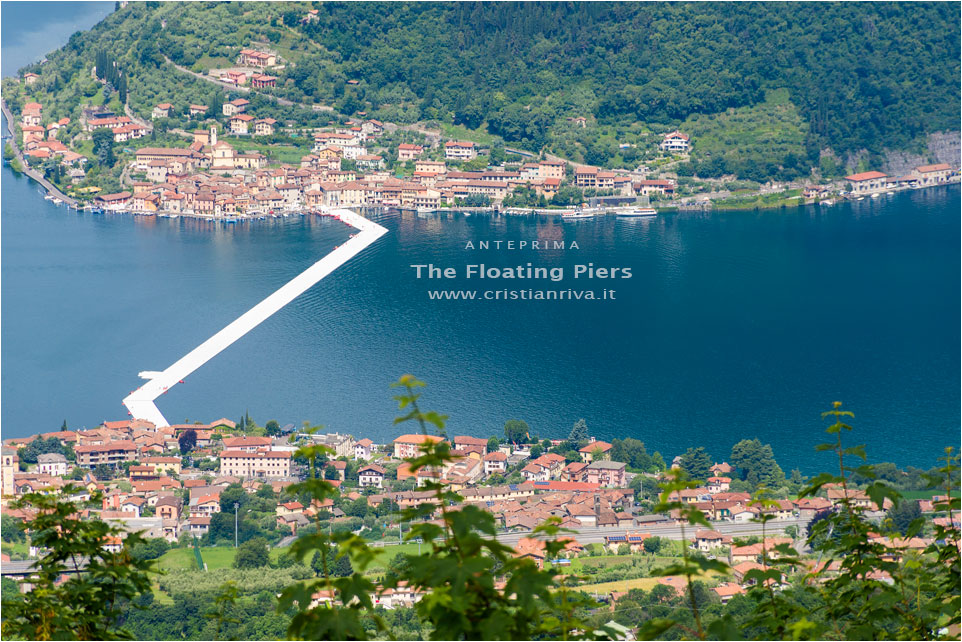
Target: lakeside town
{"points": [[182, 485], [229, 112], [225, 170]]}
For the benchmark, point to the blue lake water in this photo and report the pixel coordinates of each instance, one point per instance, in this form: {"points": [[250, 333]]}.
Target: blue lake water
{"points": [[734, 325]]}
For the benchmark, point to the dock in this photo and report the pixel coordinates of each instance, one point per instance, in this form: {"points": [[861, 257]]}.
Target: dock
{"points": [[140, 402]]}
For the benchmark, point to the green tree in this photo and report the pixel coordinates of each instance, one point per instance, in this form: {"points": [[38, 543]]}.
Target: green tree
{"points": [[579, 432], [88, 605], [652, 545], [187, 441], [40, 446], [493, 444], [755, 464], [252, 554], [516, 431], [11, 529], [697, 463], [273, 428], [103, 472], [904, 514], [103, 139], [632, 452], [234, 493]]}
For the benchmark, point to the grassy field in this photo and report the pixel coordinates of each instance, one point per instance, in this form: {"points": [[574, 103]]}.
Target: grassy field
{"points": [[646, 583], [15, 549], [767, 130], [275, 153], [460, 132], [215, 557], [789, 198]]}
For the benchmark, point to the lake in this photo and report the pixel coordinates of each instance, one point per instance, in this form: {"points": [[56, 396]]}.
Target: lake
{"points": [[734, 325]]}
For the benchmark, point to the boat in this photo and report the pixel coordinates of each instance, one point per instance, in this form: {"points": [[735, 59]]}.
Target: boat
{"points": [[577, 215], [638, 212]]}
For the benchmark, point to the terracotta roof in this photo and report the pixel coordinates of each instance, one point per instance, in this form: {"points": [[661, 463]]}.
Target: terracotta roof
{"points": [[933, 168], [865, 176], [417, 439]]}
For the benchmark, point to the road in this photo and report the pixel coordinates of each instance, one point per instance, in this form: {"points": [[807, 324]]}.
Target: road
{"points": [[594, 535]]}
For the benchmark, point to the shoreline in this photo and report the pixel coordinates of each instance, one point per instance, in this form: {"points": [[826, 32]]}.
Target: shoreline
{"points": [[468, 211], [26, 169]]}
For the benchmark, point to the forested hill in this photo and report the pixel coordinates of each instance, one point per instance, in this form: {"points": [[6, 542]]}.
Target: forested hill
{"points": [[870, 76], [864, 74]]}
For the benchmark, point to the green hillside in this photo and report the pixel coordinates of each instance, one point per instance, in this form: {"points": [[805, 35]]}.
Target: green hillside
{"points": [[846, 76]]}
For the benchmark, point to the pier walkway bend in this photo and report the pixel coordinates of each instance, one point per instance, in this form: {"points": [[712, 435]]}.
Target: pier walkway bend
{"points": [[140, 402]]}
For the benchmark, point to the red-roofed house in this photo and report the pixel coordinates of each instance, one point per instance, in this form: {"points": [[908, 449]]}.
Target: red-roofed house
{"points": [[718, 484], [409, 445], [707, 540], [727, 590], [495, 463], [363, 449], [407, 151], [866, 182], [239, 123], [934, 174], [247, 444], [258, 464], [460, 150], [675, 142], [111, 453], [371, 475], [588, 452], [161, 111]]}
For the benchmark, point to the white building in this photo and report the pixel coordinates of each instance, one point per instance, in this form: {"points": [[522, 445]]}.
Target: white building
{"points": [[370, 476], [495, 463], [238, 463], [460, 150], [675, 142], [52, 464], [363, 449]]}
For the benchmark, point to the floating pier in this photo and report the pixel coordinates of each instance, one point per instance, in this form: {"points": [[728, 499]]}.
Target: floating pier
{"points": [[140, 403]]}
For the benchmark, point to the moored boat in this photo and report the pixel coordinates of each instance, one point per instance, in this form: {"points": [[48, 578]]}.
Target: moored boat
{"points": [[638, 212]]}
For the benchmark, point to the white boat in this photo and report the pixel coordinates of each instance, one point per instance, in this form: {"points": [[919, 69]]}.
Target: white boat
{"points": [[576, 215], [638, 212]]}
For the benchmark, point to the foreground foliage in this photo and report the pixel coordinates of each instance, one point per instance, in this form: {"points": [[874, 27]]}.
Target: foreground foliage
{"points": [[86, 606]]}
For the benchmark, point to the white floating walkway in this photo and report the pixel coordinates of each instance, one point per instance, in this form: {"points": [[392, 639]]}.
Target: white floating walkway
{"points": [[140, 402]]}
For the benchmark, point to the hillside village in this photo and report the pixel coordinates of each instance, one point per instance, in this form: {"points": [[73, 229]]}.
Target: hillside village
{"points": [[184, 483], [356, 165]]}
